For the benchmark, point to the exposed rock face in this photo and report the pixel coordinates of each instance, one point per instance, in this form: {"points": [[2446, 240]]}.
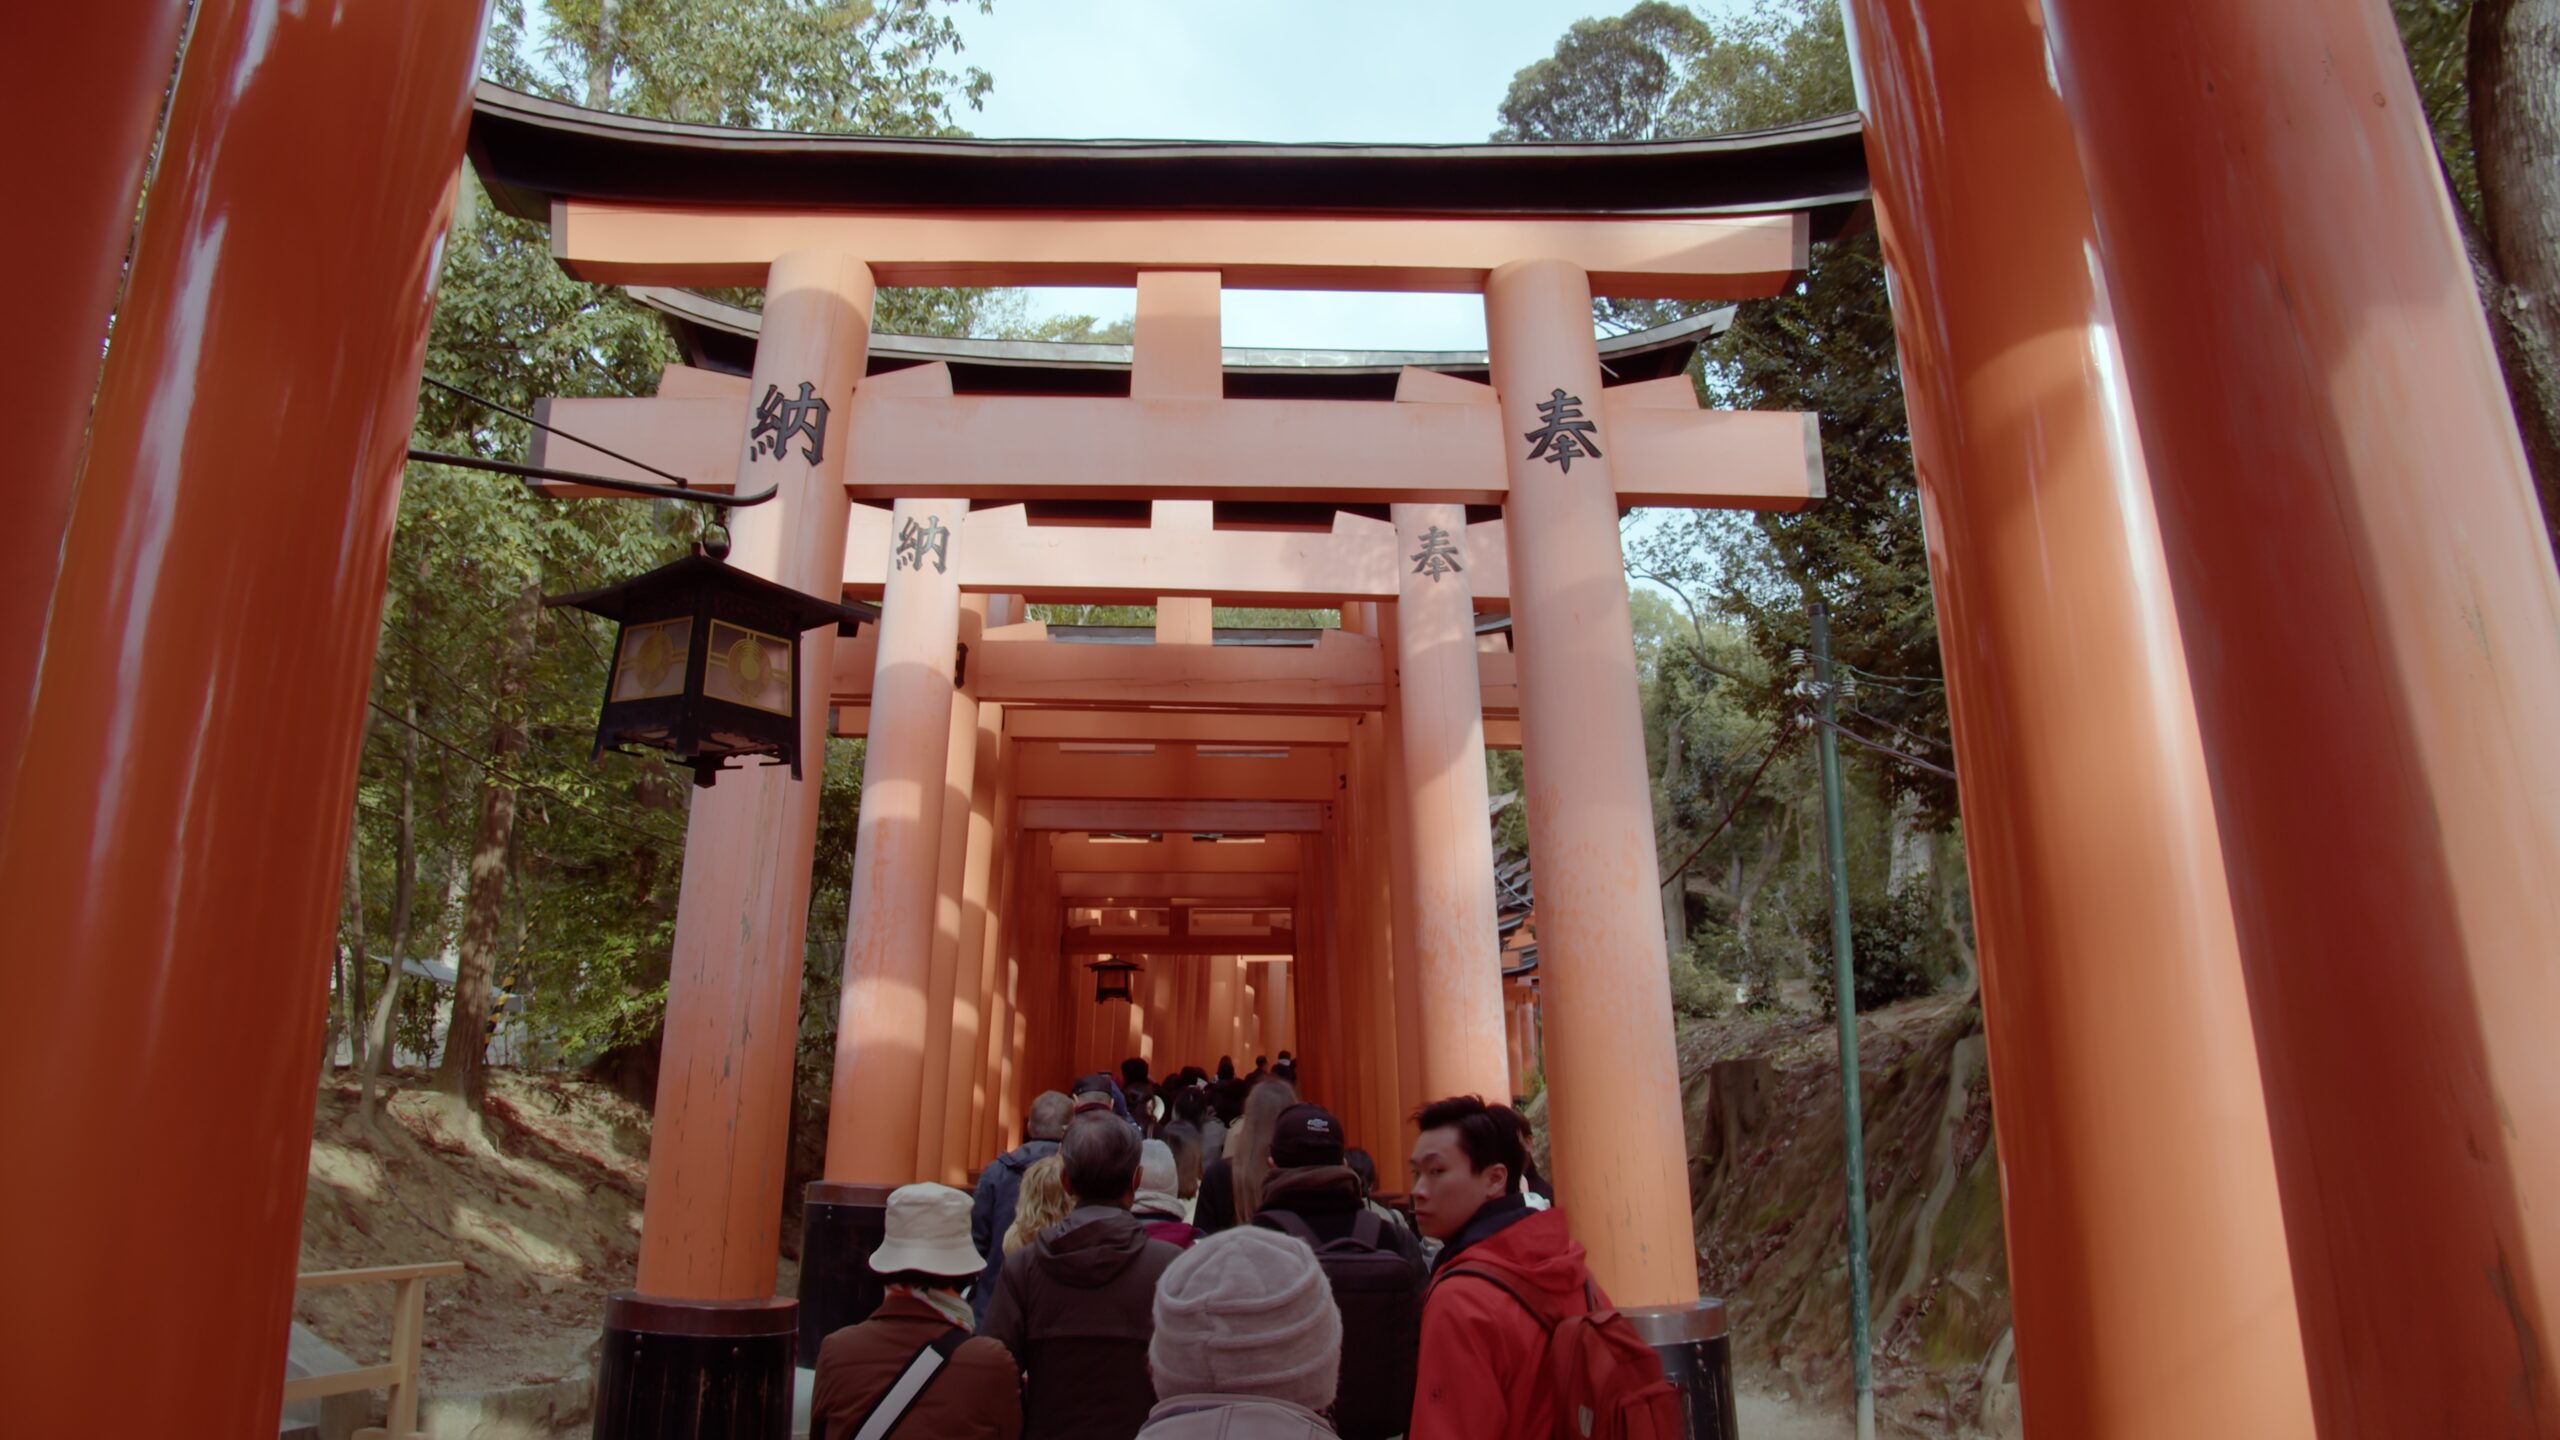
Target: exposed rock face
{"points": [[1766, 1177]]}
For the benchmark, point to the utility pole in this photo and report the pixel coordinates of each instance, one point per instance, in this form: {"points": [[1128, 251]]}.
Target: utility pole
{"points": [[1845, 990]]}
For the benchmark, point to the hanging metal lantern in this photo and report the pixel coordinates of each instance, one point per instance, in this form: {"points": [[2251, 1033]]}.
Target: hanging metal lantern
{"points": [[706, 668], [1111, 979]]}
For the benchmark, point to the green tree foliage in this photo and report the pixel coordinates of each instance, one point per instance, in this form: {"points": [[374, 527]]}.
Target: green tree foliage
{"points": [[589, 864], [2486, 70], [1721, 659]]}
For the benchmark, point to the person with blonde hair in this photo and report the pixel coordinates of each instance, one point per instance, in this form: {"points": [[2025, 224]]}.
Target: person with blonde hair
{"points": [[1042, 1203], [1231, 1189]]}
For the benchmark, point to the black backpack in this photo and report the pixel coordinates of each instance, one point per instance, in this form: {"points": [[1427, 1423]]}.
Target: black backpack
{"points": [[1378, 1288]]}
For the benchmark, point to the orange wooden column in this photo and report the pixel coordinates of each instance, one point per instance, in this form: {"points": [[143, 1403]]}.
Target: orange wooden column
{"points": [[1620, 1157], [1222, 1009], [172, 886], [995, 998], [951, 1008], [1385, 1134], [2105, 919], [1412, 1087], [2351, 533], [1459, 949], [1271, 1000], [967, 1054], [96, 101], [710, 1229], [875, 1114], [1194, 976], [1174, 355]]}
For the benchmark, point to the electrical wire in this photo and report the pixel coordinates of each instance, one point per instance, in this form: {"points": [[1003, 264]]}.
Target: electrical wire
{"points": [[1730, 810], [1904, 756], [486, 403], [1898, 730]]}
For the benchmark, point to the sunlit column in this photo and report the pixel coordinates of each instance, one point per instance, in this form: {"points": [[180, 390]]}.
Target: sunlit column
{"points": [[1619, 1147]]}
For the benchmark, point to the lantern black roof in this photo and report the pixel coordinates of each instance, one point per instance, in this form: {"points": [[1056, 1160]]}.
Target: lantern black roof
{"points": [[616, 602]]}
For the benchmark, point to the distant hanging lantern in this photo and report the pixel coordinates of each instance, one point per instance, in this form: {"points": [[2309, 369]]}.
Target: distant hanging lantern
{"points": [[707, 665], [1111, 979]]}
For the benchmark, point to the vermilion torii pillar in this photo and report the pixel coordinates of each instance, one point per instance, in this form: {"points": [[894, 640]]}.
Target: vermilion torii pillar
{"points": [[709, 1236], [874, 1116], [944, 1020], [2328, 436], [2099, 880], [1455, 944], [173, 886], [1619, 1146]]}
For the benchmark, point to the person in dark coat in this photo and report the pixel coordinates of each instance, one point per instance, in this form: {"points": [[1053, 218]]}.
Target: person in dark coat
{"points": [[972, 1389], [1077, 1306], [1231, 1187], [1373, 1265], [1000, 1186]]}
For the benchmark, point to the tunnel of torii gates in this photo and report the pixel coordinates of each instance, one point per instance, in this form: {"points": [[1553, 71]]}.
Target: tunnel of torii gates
{"points": [[2248, 624]]}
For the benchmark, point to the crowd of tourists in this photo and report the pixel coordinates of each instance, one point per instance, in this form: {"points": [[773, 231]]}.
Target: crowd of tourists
{"points": [[1207, 1256]]}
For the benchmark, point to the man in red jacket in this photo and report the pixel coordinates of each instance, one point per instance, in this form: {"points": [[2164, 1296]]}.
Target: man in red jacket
{"points": [[1483, 1371]]}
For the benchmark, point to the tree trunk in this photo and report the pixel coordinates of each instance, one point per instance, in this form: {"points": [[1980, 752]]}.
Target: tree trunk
{"points": [[1773, 843], [350, 973], [381, 1040], [2514, 85], [1946, 873], [1675, 890], [466, 1039], [600, 60]]}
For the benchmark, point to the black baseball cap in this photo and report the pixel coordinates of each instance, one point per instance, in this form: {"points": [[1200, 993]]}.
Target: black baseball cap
{"points": [[1306, 1135]]}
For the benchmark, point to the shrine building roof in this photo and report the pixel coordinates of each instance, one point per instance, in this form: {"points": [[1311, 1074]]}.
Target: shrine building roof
{"points": [[715, 335], [532, 152]]}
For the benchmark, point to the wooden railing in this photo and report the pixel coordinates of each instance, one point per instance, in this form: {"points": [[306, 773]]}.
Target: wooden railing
{"points": [[399, 1374]]}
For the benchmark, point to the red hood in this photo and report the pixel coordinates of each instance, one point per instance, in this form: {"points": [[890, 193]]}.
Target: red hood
{"points": [[1538, 1254]]}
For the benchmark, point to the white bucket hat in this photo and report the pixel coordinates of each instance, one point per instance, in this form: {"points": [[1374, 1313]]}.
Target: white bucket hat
{"points": [[927, 1231]]}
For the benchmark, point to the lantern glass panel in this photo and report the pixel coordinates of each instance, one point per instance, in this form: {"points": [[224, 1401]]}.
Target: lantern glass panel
{"points": [[650, 661], [748, 667]]}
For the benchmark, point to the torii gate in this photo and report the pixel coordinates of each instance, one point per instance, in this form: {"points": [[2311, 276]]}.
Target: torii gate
{"points": [[2248, 611], [1439, 446]]}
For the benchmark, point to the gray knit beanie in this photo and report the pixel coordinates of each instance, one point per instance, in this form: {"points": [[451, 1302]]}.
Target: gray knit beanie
{"points": [[1247, 1312]]}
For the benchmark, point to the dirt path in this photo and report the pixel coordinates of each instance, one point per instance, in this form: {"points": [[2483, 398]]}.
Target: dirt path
{"points": [[1763, 1416]]}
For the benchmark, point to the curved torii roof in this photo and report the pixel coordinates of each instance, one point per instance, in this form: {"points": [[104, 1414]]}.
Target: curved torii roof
{"points": [[532, 152]]}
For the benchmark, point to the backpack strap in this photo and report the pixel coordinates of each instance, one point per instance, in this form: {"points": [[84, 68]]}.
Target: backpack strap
{"points": [[1368, 1230], [1505, 1286], [1289, 1223], [902, 1394]]}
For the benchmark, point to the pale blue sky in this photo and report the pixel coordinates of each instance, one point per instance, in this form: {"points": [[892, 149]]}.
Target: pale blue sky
{"points": [[1410, 70]]}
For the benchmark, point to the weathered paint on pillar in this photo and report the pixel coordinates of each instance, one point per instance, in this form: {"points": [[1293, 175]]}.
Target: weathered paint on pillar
{"points": [[1456, 939], [711, 1225], [172, 883], [874, 1113], [1614, 1103], [2097, 870], [95, 99], [2374, 626]]}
